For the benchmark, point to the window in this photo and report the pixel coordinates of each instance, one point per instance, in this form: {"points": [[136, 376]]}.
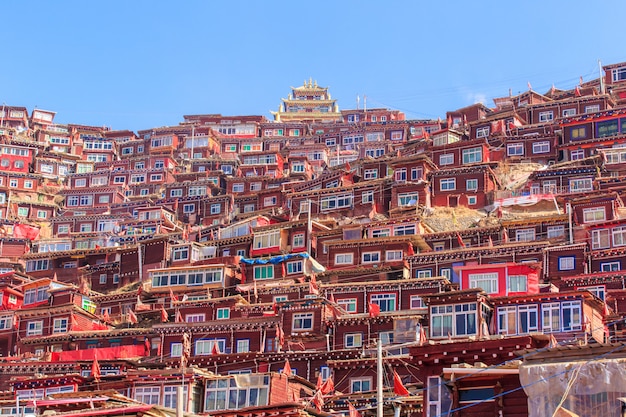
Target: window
{"points": [[578, 133], [180, 253], [424, 273], [148, 395], [454, 320], [569, 112], [80, 182], [298, 240], [269, 201], [103, 279], [243, 345], [592, 109], [517, 283], [546, 116], [482, 132], [572, 315], [370, 174], [28, 184], [267, 240], [472, 200], [488, 282], [404, 230], [541, 147], [610, 266], [59, 326], [515, 149], [34, 328], [598, 290], [525, 235], [360, 384], [353, 340], [619, 236], [594, 214], [223, 313], [348, 304], [472, 155], [417, 302], [176, 350], [618, 74], [195, 318], [447, 184], [294, 267], [446, 159], [216, 208], [176, 192], [189, 208], [22, 211], [471, 185], [170, 396], [367, 197], [393, 255], [302, 321], [344, 259], [205, 346], [408, 199], [554, 232], [238, 188], [264, 272], [400, 175], [386, 302], [370, 257], [566, 263], [607, 128]]}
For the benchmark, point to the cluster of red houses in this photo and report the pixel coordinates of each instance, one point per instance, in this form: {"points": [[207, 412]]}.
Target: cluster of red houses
{"points": [[266, 264]]}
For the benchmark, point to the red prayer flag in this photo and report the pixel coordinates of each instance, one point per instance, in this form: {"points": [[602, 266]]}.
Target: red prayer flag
{"points": [[172, 296], [318, 400], [398, 386], [287, 368], [320, 382], [95, 369], [352, 412], [458, 238], [374, 310], [216, 349], [147, 346], [280, 335], [328, 386], [73, 322], [132, 317], [24, 231], [105, 316], [577, 92], [179, 317], [164, 316]]}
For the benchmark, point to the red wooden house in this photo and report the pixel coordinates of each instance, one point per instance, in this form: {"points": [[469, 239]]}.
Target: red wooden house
{"points": [[607, 247], [461, 153], [471, 186], [564, 260], [501, 279]]}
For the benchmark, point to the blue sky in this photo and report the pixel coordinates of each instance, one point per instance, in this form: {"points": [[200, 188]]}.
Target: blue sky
{"points": [[136, 64]]}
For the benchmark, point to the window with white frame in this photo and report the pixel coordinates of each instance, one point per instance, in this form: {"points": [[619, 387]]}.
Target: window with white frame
{"points": [[594, 214], [471, 184], [515, 149], [453, 320], [353, 340], [269, 201], [400, 174], [265, 240], [408, 199], [34, 328], [472, 155], [80, 182], [335, 201], [238, 187], [404, 230], [302, 322], [472, 200], [619, 236], [577, 154], [370, 174], [298, 240], [148, 395], [597, 290], [243, 345], [60, 325], [348, 304], [567, 263], [541, 147], [103, 279], [367, 197], [600, 239], [424, 273], [176, 192], [370, 257], [294, 267], [180, 253], [386, 302], [255, 186], [592, 109], [580, 184], [264, 271], [360, 384], [610, 266], [393, 255], [446, 159], [176, 350], [525, 235], [416, 302], [571, 312], [546, 116], [569, 112], [195, 318], [447, 184], [554, 232], [417, 174], [488, 282], [517, 283], [344, 259], [482, 132], [205, 346], [223, 313]]}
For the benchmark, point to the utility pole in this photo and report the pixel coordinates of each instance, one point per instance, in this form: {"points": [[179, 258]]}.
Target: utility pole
{"points": [[379, 380], [309, 227]]}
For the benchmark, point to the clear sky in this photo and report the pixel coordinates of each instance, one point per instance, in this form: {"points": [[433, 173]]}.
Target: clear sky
{"points": [[137, 64]]}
